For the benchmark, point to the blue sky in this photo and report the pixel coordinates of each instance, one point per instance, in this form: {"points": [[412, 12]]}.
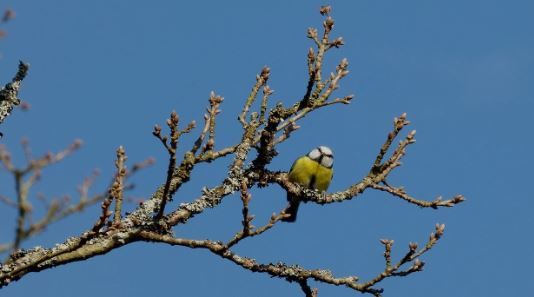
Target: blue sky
{"points": [[107, 71]]}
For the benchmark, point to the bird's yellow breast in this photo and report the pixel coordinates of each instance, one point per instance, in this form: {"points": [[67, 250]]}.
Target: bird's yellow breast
{"points": [[310, 174]]}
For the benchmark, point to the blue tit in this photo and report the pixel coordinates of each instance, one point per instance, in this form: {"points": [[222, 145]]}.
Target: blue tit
{"points": [[312, 171]]}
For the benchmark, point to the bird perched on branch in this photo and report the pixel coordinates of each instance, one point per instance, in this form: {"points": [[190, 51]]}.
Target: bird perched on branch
{"points": [[312, 171]]}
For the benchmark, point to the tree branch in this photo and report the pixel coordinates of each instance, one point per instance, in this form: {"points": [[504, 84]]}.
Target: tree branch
{"points": [[263, 129], [9, 93]]}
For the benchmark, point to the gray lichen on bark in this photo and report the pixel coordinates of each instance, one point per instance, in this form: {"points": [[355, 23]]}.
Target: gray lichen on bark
{"points": [[9, 93]]}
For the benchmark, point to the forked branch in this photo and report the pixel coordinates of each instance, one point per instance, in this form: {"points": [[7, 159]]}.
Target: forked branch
{"points": [[263, 128]]}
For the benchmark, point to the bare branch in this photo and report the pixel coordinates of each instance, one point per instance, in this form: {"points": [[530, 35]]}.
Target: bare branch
{"points": [[22, 185], [263, 129], [261, 80], [345, 100], [401, 193], [293, 273], [213, 111], [411, 256], [307, 290], [376, 178], [56, 210], [5, 158], [287, 132], [172, 122], [398, 124], [8, 201], [104, 216], [9, 93], [267, 91], [275, 218], [118, 185]]}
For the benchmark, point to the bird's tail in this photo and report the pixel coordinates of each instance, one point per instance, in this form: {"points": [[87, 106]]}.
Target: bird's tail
{"points": [[291, 209]]}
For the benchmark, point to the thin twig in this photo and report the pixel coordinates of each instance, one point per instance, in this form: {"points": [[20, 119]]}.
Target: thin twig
{"points": [[117, 189], [401, 193], [261, 80], [172, 122]]}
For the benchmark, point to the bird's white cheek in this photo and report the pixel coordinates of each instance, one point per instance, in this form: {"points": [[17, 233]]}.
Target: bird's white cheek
{"points": [[314, 154], [327, 162]]}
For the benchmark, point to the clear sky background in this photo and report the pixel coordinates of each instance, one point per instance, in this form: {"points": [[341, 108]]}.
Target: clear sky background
{"points": [[107, 71]]}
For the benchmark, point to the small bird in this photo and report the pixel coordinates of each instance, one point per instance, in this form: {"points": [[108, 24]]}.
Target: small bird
{"points": [[312, 171]]}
